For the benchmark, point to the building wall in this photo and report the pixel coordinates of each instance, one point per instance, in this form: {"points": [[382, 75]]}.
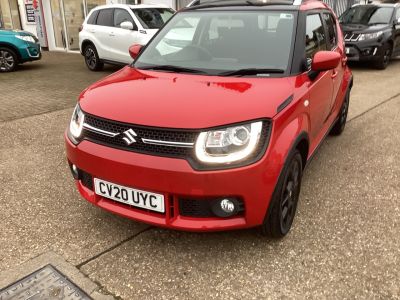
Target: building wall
{"points": [[31, 27]]}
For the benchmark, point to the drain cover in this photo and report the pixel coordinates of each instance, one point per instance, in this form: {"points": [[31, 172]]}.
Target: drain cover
{"points": [[46, 283]]}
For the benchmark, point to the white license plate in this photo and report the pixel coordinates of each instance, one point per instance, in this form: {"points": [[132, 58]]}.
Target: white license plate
{"points": [[129, 196], [347, 50]]}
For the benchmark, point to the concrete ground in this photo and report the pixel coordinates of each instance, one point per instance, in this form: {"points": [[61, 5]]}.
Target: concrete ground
{"points": [[344, 244]]}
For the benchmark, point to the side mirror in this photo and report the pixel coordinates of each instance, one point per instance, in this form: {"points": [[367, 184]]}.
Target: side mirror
{"points": [[135, 50], [126, 25], [325, 60]]}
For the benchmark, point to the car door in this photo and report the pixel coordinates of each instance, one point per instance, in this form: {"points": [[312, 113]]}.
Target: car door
{"points": [[103, 30], [397, 33], [333, 45], [321, 87], [121, 38]]}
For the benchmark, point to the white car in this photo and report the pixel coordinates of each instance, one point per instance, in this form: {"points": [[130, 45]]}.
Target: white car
{"points": [[109, 30]]}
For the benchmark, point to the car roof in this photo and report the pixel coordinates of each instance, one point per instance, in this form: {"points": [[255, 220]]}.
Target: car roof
{"points": [[252, 4], [379, 4], [131, 6]]}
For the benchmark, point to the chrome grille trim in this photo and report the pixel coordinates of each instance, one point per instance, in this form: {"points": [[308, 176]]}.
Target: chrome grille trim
{"points": [[168, 143], [99, 131]]}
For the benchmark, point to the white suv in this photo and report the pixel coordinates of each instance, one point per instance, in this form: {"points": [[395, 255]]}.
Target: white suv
{"points": [[109, 31]]}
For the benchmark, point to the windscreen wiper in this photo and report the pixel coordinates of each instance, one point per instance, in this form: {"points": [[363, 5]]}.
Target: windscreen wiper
{"points": [[251, 71], [171, 68]]}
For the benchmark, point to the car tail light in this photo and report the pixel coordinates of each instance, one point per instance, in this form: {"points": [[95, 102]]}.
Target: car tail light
{"points": [[80, 28]]}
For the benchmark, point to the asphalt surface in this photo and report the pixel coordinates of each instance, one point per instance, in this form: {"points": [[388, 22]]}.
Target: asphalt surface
{"points": [[345, 242]]}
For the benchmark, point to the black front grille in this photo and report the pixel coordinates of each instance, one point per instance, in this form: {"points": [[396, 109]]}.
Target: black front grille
{"points": [[188, 136], [170, 135], [195, 208]]}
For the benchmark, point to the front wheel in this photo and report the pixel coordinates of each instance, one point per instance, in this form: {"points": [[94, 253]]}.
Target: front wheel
{"points": [[283, 204], [8, 60], [92, 59], [384, 59]]}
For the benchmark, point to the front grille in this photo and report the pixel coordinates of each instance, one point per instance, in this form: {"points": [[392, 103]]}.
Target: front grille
{"points": [[195, 208], [151, 140], [351, 37], [151, 133]]}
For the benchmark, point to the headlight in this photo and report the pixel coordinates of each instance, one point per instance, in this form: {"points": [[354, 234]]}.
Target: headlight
{"points": [[26, 38], [370, 36], [228, 145], [76, 125]]}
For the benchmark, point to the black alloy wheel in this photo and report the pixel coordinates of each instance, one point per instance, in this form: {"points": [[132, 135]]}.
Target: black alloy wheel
{"points": [[92, 59], [8, 60], [284, 201], [384, 60]]}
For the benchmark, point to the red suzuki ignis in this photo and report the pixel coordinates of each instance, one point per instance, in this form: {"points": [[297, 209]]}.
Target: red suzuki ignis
{"points": [[211, 127]]}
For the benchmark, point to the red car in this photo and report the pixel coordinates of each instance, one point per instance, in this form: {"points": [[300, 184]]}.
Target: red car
{"points": [[213, 124]]}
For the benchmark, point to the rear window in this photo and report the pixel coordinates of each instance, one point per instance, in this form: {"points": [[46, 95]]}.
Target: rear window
{"points": [[153, 18], [93, 17], [105, 17]]}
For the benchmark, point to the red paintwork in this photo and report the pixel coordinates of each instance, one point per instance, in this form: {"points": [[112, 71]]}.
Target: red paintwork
{"points": [[325, 60], [193, 101], [134, 50]]}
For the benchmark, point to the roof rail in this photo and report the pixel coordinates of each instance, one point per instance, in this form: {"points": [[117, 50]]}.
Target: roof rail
{"points": [[204, 2]]}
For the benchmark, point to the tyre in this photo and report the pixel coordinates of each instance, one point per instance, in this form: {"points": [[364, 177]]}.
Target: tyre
{"points": [[8, 60], [340, 123], [384, 59], [282, 210], [92, 59]]}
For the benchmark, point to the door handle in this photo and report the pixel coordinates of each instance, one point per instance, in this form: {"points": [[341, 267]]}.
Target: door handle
{"points": [[334, 73], [112, 34], [92, 31]]}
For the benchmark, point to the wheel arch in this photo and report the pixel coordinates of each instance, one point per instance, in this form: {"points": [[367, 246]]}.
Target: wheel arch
{"points": [[85, 43], [13, 48]]}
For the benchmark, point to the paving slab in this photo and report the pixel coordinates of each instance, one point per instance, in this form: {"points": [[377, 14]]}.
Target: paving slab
{"points": [[40, 207], [52, 83], [48, 276], [344, 245], [372, 86]]}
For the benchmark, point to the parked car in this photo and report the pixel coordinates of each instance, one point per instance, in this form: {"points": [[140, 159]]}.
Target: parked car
{"points": [[109, 31], [17, 47], [372, 32], [215, 135]]}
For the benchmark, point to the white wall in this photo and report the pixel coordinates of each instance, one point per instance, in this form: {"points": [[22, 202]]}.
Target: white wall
{"points": [[25, 25], [170, 3]]}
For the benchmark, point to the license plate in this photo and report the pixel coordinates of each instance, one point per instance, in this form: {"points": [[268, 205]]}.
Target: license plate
{"points": [[130, 196], [347, 50]]}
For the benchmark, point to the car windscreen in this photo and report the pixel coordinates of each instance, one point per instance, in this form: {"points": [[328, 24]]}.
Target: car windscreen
{"points": [[367, 15], [216, 42], [153, 18]]}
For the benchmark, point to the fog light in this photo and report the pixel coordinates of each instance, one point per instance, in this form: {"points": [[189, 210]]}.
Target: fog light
{"points": [[74, 171], [226, 207]]}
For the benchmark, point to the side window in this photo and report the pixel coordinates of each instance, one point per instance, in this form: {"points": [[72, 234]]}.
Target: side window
{"points": [[120, 16], [315, 36], [105, 17], [93, 17], [398, 14], [331, 28]]}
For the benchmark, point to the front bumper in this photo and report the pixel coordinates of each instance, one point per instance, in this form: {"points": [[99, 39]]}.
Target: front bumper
{"points": [[364, 51], [30, 52], [176, 180]]}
